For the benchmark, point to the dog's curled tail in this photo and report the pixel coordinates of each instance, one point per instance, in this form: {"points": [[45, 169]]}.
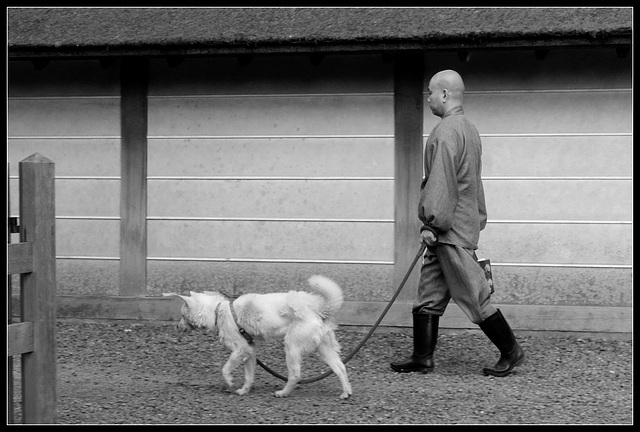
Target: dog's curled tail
{"points": [[331, 293]]}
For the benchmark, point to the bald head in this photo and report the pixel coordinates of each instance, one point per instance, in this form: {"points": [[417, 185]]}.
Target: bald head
{"points": [[451, 81], [446, 91]]}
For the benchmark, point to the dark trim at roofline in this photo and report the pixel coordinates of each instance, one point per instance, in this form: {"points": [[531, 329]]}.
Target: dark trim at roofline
{"points": [[27, 53]]}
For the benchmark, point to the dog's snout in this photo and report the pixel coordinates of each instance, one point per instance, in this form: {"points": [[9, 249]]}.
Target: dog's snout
{"points": [[184, 326]]}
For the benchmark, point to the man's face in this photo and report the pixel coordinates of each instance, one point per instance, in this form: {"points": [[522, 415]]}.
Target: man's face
{"points": [[434, 99]]}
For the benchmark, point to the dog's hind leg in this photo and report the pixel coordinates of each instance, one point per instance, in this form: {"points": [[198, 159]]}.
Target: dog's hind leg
{"points": [[294, 359], [249, 372], [328, 351]]}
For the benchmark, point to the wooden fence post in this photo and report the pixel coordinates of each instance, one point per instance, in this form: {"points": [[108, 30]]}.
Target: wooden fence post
{"points": [[10, 413], [38, 288]]}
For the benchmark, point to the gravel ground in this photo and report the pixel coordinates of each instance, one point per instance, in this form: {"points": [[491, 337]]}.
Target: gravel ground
{"points": [[143, 373]]}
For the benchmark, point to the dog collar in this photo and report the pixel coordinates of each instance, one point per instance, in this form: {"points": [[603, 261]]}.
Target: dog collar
{"points": [[243, 332]]}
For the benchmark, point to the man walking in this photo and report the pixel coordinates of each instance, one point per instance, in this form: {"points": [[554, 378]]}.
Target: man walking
{"points": [[452, 210]]}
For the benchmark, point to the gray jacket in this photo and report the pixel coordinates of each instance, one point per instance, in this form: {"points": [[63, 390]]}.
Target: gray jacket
{"points": [[451, 194]]}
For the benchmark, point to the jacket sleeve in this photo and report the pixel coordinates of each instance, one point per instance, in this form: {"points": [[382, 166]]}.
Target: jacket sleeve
{"points": [[439, 197]]}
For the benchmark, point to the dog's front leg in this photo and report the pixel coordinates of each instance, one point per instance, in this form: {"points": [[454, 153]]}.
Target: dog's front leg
{"points": [[293, 358], [249, 371], [227, 370]]}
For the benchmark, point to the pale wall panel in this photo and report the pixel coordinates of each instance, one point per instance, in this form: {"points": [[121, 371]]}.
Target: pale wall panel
{"points": [[590, 200], [87, 277], [318, 115], [536, 113], [14, 197], [595, 68], [87, 198], [64, 117], [78, 197], [82, 157], [99, 238], [76, 157], [336, 199], [297, 157], [271, 240], [373, 282], [63, 78], [557, 156], [557, 243], [514, 285], [562, 286], [272, 75]]}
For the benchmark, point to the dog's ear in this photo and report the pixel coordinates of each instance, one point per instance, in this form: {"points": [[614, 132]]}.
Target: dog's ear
{"points": [[186, 299]]}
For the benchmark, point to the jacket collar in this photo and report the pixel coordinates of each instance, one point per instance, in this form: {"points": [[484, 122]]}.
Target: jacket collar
{"points": [[454, 111]]}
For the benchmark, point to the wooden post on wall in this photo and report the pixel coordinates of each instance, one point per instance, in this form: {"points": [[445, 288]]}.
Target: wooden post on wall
{"points": [[408, 111], [133, 177]]}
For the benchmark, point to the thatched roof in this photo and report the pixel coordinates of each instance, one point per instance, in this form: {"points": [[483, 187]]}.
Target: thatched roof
{"points": [[35, 32]]}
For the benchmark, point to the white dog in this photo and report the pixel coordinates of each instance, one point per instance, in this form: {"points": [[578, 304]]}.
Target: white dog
{"points": [[303, 319]]}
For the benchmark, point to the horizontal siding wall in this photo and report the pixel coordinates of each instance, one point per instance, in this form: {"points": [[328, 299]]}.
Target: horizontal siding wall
{"points": [[557, 169], [267, 172], [69, 111]]}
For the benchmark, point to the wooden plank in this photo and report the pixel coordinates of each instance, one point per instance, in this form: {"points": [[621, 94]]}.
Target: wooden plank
{"points": [[88, 197], [606, 319], [408, 130], [296, 157], [20, 258], [19, 338], [88, 276], [272, 115], [77, 237], [515, 285], [565, 318], [119, 307], [85, 156], [548, 112], [520, 317], [558, 243], [272, 240], [38, 288], [557, 156], [318, 199], [563, 285], [559, 199], [133, 192], [62, 117]]}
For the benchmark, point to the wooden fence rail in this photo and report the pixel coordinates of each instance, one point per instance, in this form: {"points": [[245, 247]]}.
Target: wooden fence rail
{"points": [[34, 338]]}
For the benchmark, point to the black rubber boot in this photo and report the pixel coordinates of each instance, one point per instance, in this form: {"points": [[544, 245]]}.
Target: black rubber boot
{"points": [[511, 354], [425, 336]]}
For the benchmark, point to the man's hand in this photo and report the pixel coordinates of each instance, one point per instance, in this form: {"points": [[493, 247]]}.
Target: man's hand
{"points": [[429, 238]]}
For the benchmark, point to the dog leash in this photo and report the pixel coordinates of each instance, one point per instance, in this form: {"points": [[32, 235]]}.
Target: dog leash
{"points": [[365, 339]]}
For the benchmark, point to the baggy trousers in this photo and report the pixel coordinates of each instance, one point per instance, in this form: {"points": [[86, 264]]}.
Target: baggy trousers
{"points": [[450, 271]]}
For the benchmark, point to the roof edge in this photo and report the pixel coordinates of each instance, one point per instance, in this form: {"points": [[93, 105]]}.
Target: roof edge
{"points": [[28, 52]]}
